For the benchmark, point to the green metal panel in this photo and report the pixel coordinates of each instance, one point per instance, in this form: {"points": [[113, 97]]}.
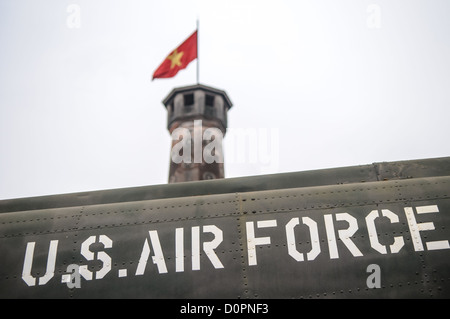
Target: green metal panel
{"points": [[194, 240]]}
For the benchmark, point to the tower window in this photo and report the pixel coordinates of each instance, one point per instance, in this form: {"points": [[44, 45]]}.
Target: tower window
{"points": [[188, 99], [209, 100]]}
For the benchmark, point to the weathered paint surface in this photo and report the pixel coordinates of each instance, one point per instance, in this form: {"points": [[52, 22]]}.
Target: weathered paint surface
{"points": [[331, 233]]}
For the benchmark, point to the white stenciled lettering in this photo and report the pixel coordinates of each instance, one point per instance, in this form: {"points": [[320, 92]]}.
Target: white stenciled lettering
{"points": [[104, 257], [345, 235], [373, 237], [196, 248], [208, 247], [101, 255], [28, 263], [334, 230], [179, 249], [196, 245], [415, 228], [290, 235], [252, 241], [331, 236], [158, 258]]}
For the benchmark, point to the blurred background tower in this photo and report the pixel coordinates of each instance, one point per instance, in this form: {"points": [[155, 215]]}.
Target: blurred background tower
{"points": [[198, 109]]}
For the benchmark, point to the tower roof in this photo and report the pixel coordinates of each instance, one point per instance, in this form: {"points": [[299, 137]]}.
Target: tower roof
{"points": [[205, 88]]}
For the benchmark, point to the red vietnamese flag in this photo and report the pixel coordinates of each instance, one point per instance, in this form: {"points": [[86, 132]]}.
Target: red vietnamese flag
{"points": [[178, 59]]}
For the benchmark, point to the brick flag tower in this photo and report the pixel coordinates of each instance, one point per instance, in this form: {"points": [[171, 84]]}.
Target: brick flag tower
{"points": [[197, 122]]}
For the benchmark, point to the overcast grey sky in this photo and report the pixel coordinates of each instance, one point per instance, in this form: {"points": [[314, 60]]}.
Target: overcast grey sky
{"points": [[321, 84]]}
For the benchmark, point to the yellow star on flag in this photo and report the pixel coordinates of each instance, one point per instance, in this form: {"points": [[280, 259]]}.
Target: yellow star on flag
{"points": [[175, 58], [178, 59]]}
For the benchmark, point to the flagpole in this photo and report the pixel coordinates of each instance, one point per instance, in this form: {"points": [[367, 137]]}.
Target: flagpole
{"points": [[198, 60]]}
